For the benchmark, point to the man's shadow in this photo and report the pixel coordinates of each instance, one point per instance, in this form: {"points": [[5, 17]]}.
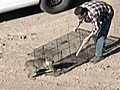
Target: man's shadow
{"points": [[112, 48]]}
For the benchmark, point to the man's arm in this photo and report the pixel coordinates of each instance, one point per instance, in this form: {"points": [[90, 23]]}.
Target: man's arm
{"points": [[95, 30], [79, 23], [85, 41]]}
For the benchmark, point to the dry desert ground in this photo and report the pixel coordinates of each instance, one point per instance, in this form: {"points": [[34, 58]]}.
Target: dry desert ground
{"points": [[22, 35]]}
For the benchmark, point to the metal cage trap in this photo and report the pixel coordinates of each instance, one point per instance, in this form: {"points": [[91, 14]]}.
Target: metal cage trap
{"points": [[63, 49]]}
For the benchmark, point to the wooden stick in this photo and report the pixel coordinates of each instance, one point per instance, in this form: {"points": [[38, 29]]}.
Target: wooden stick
{"points": [[80, 48]]}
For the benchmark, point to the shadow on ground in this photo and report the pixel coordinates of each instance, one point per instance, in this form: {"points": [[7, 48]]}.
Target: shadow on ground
{"points": [[32, 10], [75, 3], [20, 13], [65, 53], [113, 48]]}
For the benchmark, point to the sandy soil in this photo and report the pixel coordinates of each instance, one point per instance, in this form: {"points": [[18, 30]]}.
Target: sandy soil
{"points": [[20, 36]]}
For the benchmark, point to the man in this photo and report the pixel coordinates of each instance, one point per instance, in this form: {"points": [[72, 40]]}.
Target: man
{"points": [[100, 15]]}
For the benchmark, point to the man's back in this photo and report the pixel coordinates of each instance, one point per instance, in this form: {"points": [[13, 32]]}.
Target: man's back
{"points": [[97, 8]]}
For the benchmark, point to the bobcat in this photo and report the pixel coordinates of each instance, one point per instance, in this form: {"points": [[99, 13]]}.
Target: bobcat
{"points": [[34, 65]]}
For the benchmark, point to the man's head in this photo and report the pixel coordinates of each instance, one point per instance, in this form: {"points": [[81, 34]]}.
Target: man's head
{"points": [[80, 12]]}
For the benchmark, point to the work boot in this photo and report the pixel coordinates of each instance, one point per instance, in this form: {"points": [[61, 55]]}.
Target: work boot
{"points": [[96, 59]]}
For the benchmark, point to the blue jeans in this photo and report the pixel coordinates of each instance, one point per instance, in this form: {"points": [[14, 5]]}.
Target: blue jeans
{"points": [[100, 38]]}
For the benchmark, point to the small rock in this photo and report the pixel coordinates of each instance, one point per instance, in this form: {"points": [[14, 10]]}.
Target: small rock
{"points": [[108, 66], [1, 70], [33, 33], [118, 89], [3, 44], [21, 37], [85, 69], [57, 84], [25, 37]]}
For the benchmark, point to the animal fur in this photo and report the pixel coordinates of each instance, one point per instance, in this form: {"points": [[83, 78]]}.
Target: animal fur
{"points": [[32, 66]]}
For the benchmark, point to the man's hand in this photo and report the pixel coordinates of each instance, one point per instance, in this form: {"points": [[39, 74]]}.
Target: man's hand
{"points": [[86, 40], [77, 28]]}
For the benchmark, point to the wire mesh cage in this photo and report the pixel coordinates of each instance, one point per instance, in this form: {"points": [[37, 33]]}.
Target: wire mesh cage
{"points": [[65, 46], [63, 49]]}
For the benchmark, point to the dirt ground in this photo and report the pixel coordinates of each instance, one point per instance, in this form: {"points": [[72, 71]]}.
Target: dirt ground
{"points": [[20, 36]]}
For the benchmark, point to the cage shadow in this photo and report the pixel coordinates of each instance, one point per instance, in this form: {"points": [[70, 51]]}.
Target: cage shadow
{"points": [[112, 48], [63, 49], [66, 67]]}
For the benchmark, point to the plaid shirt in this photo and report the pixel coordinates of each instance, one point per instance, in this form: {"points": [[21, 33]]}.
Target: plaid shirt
{"points": [[98, 12]]}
